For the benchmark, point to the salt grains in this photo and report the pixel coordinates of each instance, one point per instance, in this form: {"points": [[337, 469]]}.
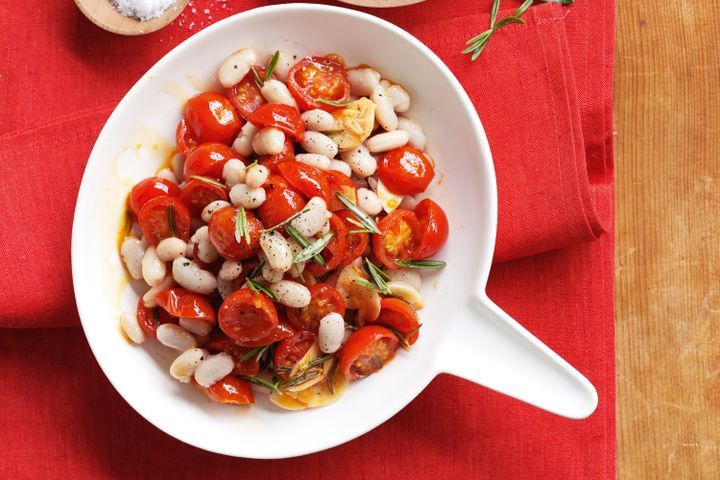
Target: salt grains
{"points": [[143, 9]]}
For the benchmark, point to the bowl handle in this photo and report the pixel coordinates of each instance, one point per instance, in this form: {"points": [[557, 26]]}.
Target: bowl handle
{"points": [[486, 346]]}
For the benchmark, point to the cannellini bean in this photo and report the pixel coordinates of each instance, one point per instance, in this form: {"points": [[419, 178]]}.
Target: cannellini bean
{"points": [[297, 269], [214, 368], [314, 160], [189, 275], [363, 81], [372, 182], [268, 141], [318, 120], [386, 84], [149, 296], [211, 207], [406, 275], [185, 364], [170, 248], [361, 162], [369, 202], [277, 250], [399, 97], [243, 142], [331, 332], [167, 174], [129, 324], [382, 142], [271, 275], [132, 252], [196, 326], [234, 172], [313, 217], [406, 292], [153, 269], [205, 250], [284, 64], [276, 91], [225, 287], [316, 142], [256, 175], [384, 111], [178, 164], [340, 166], [291, 294], [230, 270], [417, 136], [243, 196], [236, 66], [175, 336], [409, 202]]}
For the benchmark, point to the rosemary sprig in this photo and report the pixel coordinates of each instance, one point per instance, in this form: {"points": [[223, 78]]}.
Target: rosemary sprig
{"points": [[241, 226], [314, 248], [366, 284], [261, 382], [256, 352], [421, 263], [209, 180], [258, 81], [251, 165], [287, 220], [256, 271], [334, 104], [364, 220], [331, 377], [303, 242], [271, 65], [320, 360], [260, 288], [405, 338], [378, 276], [304, 376], [170, 211]]}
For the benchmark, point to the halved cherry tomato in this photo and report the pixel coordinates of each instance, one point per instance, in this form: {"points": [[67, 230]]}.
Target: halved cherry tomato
{"points": [[340, 183], [283, 117], [367, 351], [335, 251], [150, 319], [399, 238], [246, 95], [308, 180], [208, 160], [230, 390], [399, 315], [210, 117], [314, 78], [199, 191], [219, 342], [324, 299], [280, 203], [246, 315], [281, 331], [186, 140], [272, 161], [434, 228], [182, 303], [291, 350], [148, 189], [405, 171], [222, 234], [357, 242], [156, 216]]}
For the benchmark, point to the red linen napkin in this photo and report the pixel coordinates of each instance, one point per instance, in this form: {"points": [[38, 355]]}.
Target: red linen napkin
{"points": [[544, 93]]}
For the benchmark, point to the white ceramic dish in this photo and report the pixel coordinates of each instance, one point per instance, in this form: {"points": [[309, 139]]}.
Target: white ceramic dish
{"points": [[464, 333]]}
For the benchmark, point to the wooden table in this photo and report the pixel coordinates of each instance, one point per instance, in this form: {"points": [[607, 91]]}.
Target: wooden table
{"points": [[667, 104]]}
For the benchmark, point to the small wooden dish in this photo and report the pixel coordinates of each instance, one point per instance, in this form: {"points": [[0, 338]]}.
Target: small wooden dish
{"points": [[104, 14]]}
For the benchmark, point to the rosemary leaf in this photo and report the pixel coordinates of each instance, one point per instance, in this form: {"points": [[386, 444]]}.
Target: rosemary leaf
{"points": [[241, 227], [378, 276], [494, 12], [314, 248], [421, 263], [366, 284], [526, 4], [254, 352], [170, 211], [271, 65], [287, 220], [260, 288], [333, 104], [509, 20], [261, 382], [256, 77], [209, 180], [256, 271], [363, 218], [303, 242]]}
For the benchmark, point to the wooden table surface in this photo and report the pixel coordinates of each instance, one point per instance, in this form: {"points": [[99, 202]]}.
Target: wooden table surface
{"points": [[667, 104]]}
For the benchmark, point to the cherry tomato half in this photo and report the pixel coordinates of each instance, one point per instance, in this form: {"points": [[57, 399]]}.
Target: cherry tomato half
{"points": [[182, 303], [230, 390], [280, 332], [148, 189], [246, 315], [399, 315], [399, 237], [198, 192], [340, 183], [208, 160], [335, 251], [222, 234], [283, 117], [434, 228], [281, 201], [272, 161], [357, 242], [308, 180], [150, 319], [289, 351], [210, 117], [315, 78], [246, 95], [405, 171], [324, 299], [219, 342], [164, 217], [367, 351], [186, 140]]}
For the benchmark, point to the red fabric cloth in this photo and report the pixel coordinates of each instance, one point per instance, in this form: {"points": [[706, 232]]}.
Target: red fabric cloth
{"points": [[544, 93]]}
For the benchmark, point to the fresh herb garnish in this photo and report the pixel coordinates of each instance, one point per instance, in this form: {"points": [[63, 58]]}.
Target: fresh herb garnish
{"points": [[260, 288], [320, 360], [287, 220], [314, 248], [209, 180], [256, 352], [258, 81], [405, 338], [365, 283], [304, 376], [253, 164], [256, 271], [271, 65], [170, 211], [303, 242], [260, 381], [241, 226], [421, 263], [364, 220], [378, 276], [332, 103]]}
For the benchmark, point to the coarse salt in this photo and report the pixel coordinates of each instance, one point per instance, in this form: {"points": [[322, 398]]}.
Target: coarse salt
{"points": [[143, 9]]}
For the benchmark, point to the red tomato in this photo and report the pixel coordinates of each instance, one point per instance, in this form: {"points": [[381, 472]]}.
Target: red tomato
{"points": [[324, 299], [208, 160], [357, 242], [367, 351], [228, 390], [199, 191], [246, 315], [281, 331], [210, 117], [219, 342], [185, 139], [222, 234], [283, 117], [335, 251], [405, 171], [148, 189], [246, 95], [280, 203], [150, 319], [340, 183], [290, 351], [434, 228], [272, 161], [182, 303], [156, 216], [399, 315], [399, 238], [315, 78], [308, 180]]}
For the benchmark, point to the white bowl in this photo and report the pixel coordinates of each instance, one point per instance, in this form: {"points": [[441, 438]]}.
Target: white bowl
{"points": [[463, 332]]}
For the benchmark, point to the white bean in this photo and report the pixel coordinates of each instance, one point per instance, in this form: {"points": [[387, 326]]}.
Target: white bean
{"points": [[316, 142], [313, 217], [291, 294], [129, 324], [276, 91], [243, 196], [277, 250], [236, 66], [384, 111], [372, 182], [363, 81], [196, 326], [211, 207], [369, 202], [297, 268], [205, 250], [174, 336], [342, 167], [399, 97], [271, 275], [243, 142], [284, 64], [409, 202], [361, 162], [268, 141], [233, 172], [189, 275], [386, 84], [256, 175], [331, 332], [170, 248], [382, 142], [185, 364], [406, 275], [214, 368], [153, 269], [149, 296], [167, 174], [318, 120], [132, 252], [314, 160], [417, 136], [225, 287], [178, 165], [230, 270]]}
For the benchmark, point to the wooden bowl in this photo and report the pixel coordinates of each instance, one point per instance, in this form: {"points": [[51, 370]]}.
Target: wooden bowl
{"points": [[104, 14]]}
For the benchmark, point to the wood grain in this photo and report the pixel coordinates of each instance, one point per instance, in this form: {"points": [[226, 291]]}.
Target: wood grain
{"points": [[103, 14], [667, 256]]}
